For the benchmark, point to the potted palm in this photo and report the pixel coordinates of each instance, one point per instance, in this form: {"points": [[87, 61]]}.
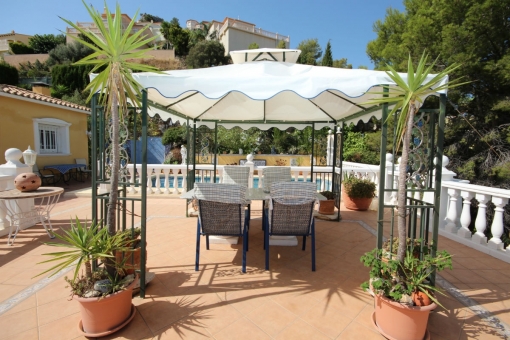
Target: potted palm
{"points": [[357, 191], [115, 47], [401, 272], [327, 207], [105, 300]]}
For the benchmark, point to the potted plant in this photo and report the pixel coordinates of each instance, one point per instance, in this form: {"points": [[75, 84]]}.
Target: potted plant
{"points": [[404, 296], [105, 300], [327, 207], [357, 191], [403, 273], [131, 258]]}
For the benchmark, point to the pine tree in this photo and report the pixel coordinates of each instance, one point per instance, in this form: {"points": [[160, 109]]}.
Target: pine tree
{"points": [[327, 60]]}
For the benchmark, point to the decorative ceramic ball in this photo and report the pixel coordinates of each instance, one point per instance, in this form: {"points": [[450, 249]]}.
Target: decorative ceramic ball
{"points": [[27, 182]]}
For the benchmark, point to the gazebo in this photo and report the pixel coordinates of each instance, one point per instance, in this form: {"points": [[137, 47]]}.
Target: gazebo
{"points": [[267, 94]]}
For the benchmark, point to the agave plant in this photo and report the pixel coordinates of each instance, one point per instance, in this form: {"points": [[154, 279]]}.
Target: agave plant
{"points": [[114, 49], [406, 98]]}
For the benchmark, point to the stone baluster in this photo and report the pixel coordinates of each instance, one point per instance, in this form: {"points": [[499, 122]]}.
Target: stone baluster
{"points": [[295, 174], [481, 219], [497, 227], [166, 173], [175, 175], [452, 214], [158, 182], [184, 172], [465, 216], [305, 176], [249, 163]]}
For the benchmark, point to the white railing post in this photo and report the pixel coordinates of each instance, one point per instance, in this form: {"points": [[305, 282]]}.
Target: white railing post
{"points": [[447, 175], [465, 216], [132, 178], [184, 172], [481, 219], [497, 227], [452, 214], [158, 181], [175, 173]]}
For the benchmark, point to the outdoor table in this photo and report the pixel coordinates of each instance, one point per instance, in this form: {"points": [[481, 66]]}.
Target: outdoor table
{"points": [[253, 194], [66, 170], [45, 199]]}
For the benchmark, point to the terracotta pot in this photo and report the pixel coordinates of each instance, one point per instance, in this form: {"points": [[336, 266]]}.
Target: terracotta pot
{"points": [[401, 322], [360, 204], [27, 182], [103, 316], [327, 207], [421, 299], [132, 261]]}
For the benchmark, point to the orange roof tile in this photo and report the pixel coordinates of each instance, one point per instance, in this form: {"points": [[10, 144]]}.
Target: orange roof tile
{"points": [[17, 91]]}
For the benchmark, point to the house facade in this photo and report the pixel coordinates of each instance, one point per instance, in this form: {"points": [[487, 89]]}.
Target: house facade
{"points": [[237, 35], [55, 129], [153, 30], [7, 38]]}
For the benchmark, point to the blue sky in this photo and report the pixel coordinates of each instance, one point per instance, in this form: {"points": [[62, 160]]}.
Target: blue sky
{"points": [[347, 23]]}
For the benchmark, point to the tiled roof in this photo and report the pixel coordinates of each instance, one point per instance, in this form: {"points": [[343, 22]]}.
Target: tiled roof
{"points": [[41, 97]]}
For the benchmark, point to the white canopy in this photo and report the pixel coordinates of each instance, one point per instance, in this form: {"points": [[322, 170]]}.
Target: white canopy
{"points": [[265, 94]]}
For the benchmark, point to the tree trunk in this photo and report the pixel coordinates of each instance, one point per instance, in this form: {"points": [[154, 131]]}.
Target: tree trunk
{"points": [[114, 179], [402, 185], [88, 270]]}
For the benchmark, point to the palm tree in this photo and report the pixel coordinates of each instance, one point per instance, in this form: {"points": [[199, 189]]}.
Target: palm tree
{"points": [[407, 97], [113, 49]]}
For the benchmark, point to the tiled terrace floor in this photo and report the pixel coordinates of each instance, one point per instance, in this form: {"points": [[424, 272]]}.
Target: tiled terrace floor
{"points": [[219, 302]]}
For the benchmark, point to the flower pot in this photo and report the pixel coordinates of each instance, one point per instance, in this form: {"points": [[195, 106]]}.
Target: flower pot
{"points": [[401, 322], [102, 316], [361, 204], [327, 207]]}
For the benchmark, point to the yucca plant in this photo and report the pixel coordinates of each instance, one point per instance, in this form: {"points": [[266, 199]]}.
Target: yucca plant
{"points": [[406, 97], [114, 49], [84, 244]]}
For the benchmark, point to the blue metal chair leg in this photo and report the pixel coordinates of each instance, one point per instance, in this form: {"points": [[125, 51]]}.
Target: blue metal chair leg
{"points": [[197, 259], [304, 242], [313, 245], [266, 245], [245, 248], [207, 242]]}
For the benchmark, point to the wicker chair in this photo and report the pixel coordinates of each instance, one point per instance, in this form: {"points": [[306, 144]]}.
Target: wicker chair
{"points": [[291, 213], [272, 175], [221, 213], [235, 174]]}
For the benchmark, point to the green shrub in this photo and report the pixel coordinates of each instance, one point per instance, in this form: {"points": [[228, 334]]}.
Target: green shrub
{"points": [[17, 47], [357, 186], [70, 76], [8, 74]]}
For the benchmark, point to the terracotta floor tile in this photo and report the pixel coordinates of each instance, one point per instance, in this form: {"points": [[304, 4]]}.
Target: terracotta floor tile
{"points": [[54, 291], [357, 331], [329, 321], [31, 334], [159, 314], [242, 328], [300, 330], [56, 310], [136, 329], [28, 303], [7, 291], [271, 318], [12, 324], [64, 328]]}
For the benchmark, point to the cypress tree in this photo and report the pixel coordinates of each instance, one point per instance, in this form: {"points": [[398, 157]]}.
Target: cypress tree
{"points": [[327, 60]]}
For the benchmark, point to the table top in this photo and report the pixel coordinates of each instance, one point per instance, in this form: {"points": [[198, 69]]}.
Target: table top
{"points": [[41, 192], [253, 194], [63, 168]]}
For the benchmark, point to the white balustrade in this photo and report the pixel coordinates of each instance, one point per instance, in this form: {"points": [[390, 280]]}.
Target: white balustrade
{"points": [[465, 216]]}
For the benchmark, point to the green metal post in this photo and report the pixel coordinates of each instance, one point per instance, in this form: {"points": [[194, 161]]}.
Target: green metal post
{"points": [[313, 146], [382, 171], [215, 149], [439, 167], [143, 187], [93, 149], [341, 156]]}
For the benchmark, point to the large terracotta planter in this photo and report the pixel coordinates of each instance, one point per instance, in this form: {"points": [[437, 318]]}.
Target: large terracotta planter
{"points": [[103, 316], [401, 322], [327, 207], [361, 204]]}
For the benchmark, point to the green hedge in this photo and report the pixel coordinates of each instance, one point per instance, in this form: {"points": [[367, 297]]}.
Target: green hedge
{"points": [[8, 74], [70, 76]]}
